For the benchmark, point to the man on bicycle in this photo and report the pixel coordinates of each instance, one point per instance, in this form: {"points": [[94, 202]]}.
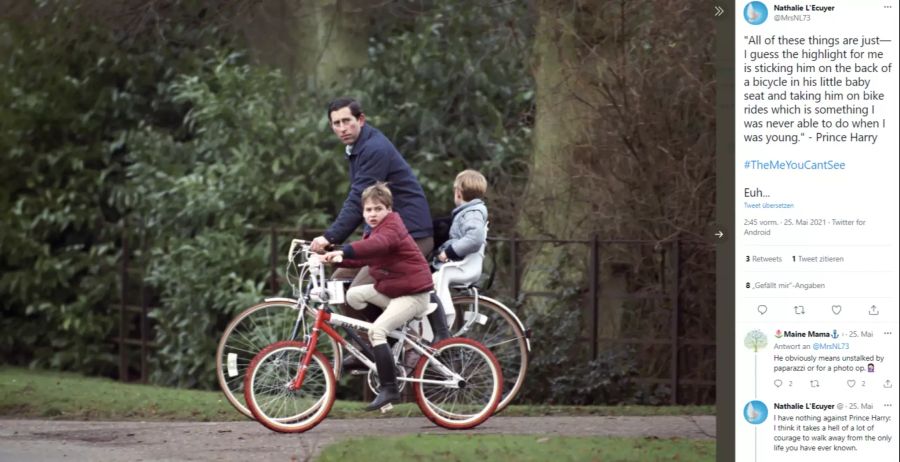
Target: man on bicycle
{"points": [[372, 158]]}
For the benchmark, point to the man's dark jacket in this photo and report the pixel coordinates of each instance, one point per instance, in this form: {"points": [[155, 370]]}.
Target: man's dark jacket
{"points": [[374, 159], [393, 258]]}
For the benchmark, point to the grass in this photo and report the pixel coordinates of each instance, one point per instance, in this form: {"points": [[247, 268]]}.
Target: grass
{"points": [[486, 448], [58, 395], [535, 410], [27, 393]]}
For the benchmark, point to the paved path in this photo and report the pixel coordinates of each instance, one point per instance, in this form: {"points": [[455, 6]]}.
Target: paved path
{"points": [[38, 440]]}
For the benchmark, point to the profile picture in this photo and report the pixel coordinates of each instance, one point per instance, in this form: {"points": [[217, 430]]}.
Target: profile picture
{"points": [[756, 13], [755, 412], [871, 367]]}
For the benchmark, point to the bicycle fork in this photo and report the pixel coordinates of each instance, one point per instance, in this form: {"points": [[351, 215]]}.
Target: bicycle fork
{"points": [[321, 317]]}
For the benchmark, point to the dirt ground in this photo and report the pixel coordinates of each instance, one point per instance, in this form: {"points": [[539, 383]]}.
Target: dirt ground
{"points": [[38, 440]]}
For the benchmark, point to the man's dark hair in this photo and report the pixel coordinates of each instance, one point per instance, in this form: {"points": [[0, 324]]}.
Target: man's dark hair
{"points": [[341, 103]]}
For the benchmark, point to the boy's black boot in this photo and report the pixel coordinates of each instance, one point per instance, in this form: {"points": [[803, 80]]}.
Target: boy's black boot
{"points": [[438, 321], [388, 392], [351, 363]]}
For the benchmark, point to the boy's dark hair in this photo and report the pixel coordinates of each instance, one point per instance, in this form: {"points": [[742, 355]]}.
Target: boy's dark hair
{"points": [[378, 192], [341, 103]]}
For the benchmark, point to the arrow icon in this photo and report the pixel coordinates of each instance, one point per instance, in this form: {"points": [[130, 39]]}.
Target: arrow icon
{"points": [[719, 234], [719, 11]]}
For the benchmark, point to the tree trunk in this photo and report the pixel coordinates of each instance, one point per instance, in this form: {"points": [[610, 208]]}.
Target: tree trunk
{"points": [[557, 205], [624, 149], [313, 41]]}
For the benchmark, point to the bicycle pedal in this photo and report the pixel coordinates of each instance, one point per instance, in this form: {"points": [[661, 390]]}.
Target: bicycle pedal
{"points": [[359, 372], [386, 408]]}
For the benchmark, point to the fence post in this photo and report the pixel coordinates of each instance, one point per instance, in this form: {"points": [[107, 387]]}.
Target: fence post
{"points": [[144, 334], [123, 329], [144, 322], [143, 326], [593, 274], [273, 260], [675, 262], [514, 261]]}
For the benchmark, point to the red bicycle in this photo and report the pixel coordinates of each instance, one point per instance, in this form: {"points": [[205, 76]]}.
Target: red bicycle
{"points": [[290, 386]]}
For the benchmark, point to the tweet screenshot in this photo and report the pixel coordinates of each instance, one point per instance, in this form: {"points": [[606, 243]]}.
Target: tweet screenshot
{"points": [[816, 232]]}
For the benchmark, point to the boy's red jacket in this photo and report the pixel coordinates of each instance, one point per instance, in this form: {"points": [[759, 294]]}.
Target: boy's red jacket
{"points": [[394, 259]]}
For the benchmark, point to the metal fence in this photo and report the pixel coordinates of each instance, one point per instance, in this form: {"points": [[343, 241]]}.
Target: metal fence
{"points": [[674, 313]]}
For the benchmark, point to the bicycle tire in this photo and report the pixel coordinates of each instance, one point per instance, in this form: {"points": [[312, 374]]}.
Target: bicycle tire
{"points": [[237, 348], [278, 407], [500, 330], [474, 400]]}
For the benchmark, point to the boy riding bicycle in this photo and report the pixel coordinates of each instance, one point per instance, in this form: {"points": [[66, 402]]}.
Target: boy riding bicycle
{"points": [[402, 282]]}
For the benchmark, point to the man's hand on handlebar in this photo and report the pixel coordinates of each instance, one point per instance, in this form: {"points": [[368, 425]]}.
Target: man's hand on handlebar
{"points": [[319, 244]]}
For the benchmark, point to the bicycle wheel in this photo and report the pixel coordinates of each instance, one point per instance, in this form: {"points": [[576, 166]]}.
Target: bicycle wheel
{"points": [[270, 398], [249, 332], [497, 328], [464, 404]]}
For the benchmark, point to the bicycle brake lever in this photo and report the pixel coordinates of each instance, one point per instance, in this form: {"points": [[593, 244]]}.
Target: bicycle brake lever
{"points": [[294, 244]]}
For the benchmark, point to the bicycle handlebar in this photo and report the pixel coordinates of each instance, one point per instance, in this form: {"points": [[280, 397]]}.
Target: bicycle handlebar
{"points": [[294, 244], [304, 245]]}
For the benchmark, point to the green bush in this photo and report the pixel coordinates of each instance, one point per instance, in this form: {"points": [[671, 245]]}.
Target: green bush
{"points": [[240, 158], [454, 91], [561, 370], [69, 90]]}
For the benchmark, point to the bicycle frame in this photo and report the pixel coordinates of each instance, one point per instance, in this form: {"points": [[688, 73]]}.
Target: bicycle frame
{"points": [[323, 323], [473, 316]]}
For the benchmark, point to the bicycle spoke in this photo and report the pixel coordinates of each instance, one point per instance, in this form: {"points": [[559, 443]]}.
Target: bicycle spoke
{"points": [[275, 403], [253, 330], [499, 331], [475, 399]]}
